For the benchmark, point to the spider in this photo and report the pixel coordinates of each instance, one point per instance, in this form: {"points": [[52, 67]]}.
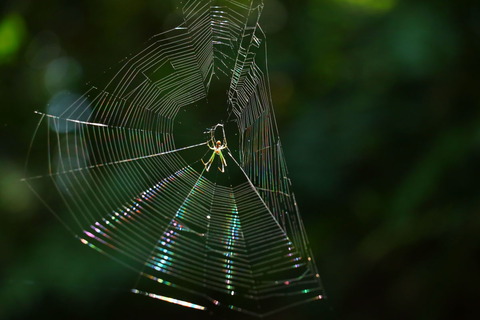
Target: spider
{"points": [[217, 148]]}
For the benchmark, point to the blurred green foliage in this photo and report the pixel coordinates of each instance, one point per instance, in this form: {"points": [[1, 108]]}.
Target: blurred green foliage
{"points": [[12, 32], [378, 105]]}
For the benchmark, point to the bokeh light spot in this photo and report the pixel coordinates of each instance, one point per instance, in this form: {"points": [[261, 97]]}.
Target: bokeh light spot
{"points": [[60, 106], [274, 16], [15, 197], [42, 49], [61, 73], [12, 34]]}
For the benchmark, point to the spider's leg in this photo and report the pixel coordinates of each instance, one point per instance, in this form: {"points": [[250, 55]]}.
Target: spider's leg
{"points": [[209, 163], [222, 161], [205, 163], [208, 144], [222, 170]]}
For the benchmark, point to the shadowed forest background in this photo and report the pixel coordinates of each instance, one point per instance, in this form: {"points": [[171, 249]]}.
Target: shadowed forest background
{"points": [[377, 103]]}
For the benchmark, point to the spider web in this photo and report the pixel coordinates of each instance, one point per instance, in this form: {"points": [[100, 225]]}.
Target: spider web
{"points": [[126, 162]]}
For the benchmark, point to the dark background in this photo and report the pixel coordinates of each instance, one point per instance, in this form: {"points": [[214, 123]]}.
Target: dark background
{"points": [[377, 102]]}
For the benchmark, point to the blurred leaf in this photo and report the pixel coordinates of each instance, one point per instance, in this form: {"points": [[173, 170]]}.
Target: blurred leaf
{"points": [[371, 5]]}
